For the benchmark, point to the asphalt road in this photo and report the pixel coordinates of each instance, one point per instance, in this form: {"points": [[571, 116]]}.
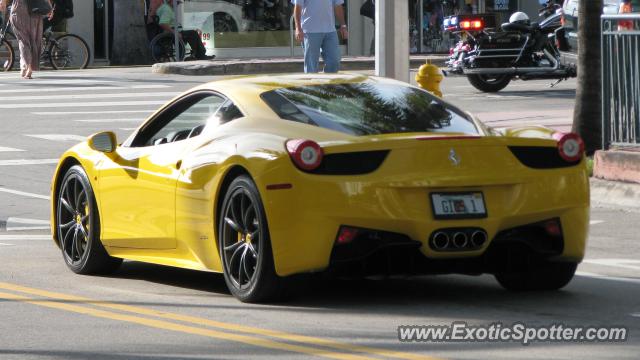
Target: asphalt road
{"points": [[147, 311]]}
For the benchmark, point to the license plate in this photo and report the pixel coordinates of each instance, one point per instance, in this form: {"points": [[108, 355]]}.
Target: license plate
{"points": [[468, 205]]}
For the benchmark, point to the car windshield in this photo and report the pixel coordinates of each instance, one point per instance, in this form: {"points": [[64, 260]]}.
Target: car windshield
{"points": [[368, 109]]}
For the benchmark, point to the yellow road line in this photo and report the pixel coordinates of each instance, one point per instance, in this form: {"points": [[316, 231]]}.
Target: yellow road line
{"points": [[221, 325], [165, 325]]}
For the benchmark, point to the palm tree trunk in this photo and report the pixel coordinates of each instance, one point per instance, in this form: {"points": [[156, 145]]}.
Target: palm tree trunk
{"points": [[587, 116], [130, 43]]}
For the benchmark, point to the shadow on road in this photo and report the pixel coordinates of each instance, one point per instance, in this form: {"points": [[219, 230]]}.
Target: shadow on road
{"points": [[189, 279], [424, 296]]}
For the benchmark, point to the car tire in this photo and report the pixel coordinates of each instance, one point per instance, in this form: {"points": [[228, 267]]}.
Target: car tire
{"points": [[487, 84], [544, 276], [223, 23], [78, 226], [245, 246]]}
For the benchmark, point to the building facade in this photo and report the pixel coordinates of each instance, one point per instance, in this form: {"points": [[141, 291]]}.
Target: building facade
{"points": [[264, 28]]}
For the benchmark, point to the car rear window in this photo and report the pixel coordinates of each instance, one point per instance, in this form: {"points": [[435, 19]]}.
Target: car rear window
{"points": [[368, 109]]}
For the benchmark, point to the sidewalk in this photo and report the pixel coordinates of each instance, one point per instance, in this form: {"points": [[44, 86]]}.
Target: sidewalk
{"points": [[615, 194], [276, 65]]}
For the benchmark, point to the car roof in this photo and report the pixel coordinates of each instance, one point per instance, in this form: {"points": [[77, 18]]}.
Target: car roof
{"points": [[245, 90], [262, 83]]}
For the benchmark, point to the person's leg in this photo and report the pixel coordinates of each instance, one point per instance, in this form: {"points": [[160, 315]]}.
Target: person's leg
{"points": [[36, 45], [312, 43], [192, 37], [331, 52], [23, 58], [20, 28]]}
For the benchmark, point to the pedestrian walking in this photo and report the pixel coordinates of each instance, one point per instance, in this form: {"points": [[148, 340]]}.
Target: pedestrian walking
{"points": [[27, 28], [316, 30]]}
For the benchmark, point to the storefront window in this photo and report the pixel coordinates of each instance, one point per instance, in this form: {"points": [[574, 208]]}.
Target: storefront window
{"points": [[240, 23], [433, 14], [502, 9]]}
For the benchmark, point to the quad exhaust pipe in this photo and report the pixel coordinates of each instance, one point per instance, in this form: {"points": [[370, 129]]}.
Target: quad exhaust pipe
{"points": [[458, 239], [478, 238], [440, 240]]}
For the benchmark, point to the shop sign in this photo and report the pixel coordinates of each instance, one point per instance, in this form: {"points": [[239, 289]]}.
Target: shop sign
{"points": [[501, 5]]}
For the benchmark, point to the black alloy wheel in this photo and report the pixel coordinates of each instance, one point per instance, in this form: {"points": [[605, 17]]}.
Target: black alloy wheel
{"points": [[224, 23], [244, 243], [78, 226]]}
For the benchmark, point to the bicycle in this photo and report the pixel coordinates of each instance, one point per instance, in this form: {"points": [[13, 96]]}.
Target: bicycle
{"points": [[67, 51], [6, 50]]}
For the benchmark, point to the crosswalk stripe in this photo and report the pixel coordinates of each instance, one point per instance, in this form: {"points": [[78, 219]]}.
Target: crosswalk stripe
{"points": [[57, 82], [28, 162], [58, 137], [84, 89], [8, 149], [22, 224], [87, 96], [47, 113], [80, 104], [24, 193], [109, 120], [25, 237]]}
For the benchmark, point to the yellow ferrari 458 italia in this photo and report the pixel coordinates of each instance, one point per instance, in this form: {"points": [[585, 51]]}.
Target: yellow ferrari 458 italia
{"points": [[268, 176]]}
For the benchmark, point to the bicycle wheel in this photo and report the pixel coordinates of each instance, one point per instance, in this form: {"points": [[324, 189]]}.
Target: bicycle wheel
{"points": [[6, 56], [162, 48], [68, 52]]}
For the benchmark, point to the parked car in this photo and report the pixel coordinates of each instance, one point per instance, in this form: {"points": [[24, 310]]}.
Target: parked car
{"points": [[570, 9], [209, 16]]}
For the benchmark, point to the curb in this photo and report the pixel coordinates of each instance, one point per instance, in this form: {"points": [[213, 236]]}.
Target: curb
{"points": [[617, 165], [615, 194], [274, 66]]}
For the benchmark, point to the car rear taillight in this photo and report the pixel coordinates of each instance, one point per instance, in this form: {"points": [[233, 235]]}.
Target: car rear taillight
{"points": [[570, 146], [306, 154]]}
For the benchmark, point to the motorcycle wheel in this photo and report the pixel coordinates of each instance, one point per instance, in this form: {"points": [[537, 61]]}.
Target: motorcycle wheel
{"points": [[489, 83]]}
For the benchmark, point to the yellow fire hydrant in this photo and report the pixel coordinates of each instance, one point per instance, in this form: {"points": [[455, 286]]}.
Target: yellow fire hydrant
{"points": [[429, 78]]}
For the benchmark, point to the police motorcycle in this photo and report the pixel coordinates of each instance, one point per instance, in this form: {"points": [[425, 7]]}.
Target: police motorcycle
{"points": [[523, 50]]}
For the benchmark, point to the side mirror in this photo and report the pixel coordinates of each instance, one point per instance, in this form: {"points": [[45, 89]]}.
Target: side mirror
{"points": [[104, 142]]}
